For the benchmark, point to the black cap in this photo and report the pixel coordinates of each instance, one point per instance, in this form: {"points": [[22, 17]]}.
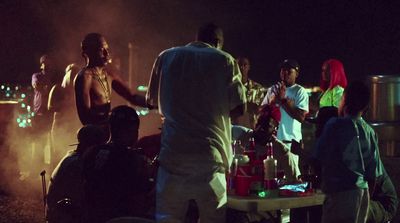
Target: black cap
{"points": [[290, 63]]}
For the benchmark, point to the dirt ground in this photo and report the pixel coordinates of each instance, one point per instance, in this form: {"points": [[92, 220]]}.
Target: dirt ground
{"points": [[22, 203]]}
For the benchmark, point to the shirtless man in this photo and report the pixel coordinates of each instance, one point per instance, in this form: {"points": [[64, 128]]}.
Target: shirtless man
{"points": [[94, 83]]}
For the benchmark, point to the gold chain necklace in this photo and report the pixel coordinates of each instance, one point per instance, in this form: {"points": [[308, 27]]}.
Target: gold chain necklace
{"points": [[104, 85]]}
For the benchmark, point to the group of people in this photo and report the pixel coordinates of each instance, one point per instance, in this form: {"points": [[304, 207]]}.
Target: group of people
{"points": [[200, 90]]}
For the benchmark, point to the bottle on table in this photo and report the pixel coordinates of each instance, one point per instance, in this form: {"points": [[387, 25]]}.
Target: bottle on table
{"points": [[270, 165]]}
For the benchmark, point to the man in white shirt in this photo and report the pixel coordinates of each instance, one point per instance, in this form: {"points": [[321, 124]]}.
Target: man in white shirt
{"points": [[293, 101], [196, 88]]}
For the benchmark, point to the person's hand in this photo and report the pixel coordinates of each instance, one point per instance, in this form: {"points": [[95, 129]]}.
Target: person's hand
{"points": [[290, 102], [281, 92]]}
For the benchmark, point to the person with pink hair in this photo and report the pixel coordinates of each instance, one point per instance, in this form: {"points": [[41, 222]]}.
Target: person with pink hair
{"points": [[333, 82]]}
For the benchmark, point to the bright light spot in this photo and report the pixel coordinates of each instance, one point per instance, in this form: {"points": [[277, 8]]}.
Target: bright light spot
{"points": [[24, 121], [16, 88], [23, 105], [8, 95], [262, 194], [28, 108], [8, 88], [21, 125], [33, 114], [142, 88], [2, 86], [18, 120], [144, 112], [29, 120], [23, 95]]}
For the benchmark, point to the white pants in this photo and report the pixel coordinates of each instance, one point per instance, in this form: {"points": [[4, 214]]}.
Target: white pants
{"points": [[206, 187]]}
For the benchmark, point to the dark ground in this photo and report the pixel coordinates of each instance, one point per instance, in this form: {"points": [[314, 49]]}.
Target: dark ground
{"points": [[21, 200], [20, 208]]}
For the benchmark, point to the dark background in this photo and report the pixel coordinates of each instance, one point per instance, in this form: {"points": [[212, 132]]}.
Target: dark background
{"points": [[363, 34]]}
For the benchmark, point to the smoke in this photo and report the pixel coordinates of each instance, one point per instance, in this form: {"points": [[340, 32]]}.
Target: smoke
{"points": [[58, 27]]}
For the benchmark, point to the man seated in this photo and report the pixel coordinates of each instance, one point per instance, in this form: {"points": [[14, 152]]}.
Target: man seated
{"points": [[64, 200], [265, 132], [116, 178]]}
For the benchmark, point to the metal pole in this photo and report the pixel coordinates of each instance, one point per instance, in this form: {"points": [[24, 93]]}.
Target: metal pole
{"points": [[44, 190]]}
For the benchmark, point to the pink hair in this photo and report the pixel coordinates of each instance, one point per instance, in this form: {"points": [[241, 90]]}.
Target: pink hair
{"points": [[337, 75]]}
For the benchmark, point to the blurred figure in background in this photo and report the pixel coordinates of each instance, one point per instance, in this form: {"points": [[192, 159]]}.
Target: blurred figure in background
{"points": [[62, 107], [41, 121], [65, 196], [255, 93]]}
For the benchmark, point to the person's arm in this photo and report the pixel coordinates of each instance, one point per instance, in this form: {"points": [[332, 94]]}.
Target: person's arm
{"points": [[119, 86], [36, 82], [82, 84], [294, 112], [296, 109], [152, 95], [237, 91]]}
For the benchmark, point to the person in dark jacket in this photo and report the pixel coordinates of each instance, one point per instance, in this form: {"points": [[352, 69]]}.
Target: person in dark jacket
{"points": [[116, 178]]}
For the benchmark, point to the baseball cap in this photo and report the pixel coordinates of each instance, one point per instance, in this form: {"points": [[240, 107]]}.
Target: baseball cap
{"points": [[290, 63]]}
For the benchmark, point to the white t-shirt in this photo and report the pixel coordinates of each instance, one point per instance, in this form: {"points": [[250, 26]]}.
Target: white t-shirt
{"points": [[289, 128], [195, 87]]}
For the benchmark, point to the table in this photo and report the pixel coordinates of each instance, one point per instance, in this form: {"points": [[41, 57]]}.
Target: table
{"points": [[257, 204], [254, 204]]}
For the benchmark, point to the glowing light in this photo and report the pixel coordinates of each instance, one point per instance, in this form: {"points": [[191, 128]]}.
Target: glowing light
{"points": [[29, 120], [144, 112], [8, 95], [142, 88], [2, 87], [23, 95], [16, 88], [23, 105], [28, 108], [24, 121], [8, 88], [262, 194], [18, 120]]}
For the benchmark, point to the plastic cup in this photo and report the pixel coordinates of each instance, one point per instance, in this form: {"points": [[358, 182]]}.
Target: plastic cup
{"points": [[243, 185]]}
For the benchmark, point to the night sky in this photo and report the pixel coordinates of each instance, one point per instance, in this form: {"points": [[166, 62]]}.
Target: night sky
{"points": [[364, 35]]}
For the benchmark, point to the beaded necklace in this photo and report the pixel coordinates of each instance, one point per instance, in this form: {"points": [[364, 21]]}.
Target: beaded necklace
{"points": [[104, 84]]}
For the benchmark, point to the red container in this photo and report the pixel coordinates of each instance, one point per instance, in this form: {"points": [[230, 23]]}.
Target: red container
{"points": [[243, 185], [270, 184]]}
